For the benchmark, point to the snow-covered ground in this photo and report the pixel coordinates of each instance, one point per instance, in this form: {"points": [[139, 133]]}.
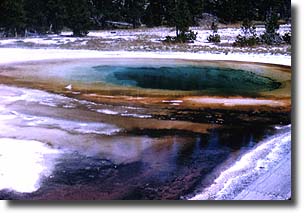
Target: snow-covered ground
{"points": [[48, 40], [10, 55], [146, 39], [25, 168], [228, 35], [256, 165]]}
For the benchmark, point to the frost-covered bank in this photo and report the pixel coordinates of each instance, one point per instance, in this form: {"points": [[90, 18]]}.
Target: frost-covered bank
{"points": [[261, 174], [10, 55]]}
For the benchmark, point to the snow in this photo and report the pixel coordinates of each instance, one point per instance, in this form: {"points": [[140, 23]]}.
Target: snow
{"points": [[49, 40], [228, 34], [136, 115], [250, 166], [68, 87], [25, 167], [109, 35], [142, 36], [11, 55], [72, 126], [236, 101], [172, 101], [158, 32], [161, 32], [107, 111]]}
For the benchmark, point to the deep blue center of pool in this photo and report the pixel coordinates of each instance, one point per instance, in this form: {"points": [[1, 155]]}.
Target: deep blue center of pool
{"points": [[186, 78]]}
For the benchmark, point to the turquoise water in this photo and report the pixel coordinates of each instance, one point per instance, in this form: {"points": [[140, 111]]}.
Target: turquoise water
{"points": [[184, 78]]}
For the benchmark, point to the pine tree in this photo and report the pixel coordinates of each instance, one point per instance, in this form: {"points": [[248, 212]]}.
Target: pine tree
{"points": [[271, 26], [214, 37], [36, 20], [77, 16], [227, 10], [170, 10], [96, 12], [182, 20], [12, 17], [271, 23], [80, 15], [154, 13], [248, 36], [106, 10], [55, 12], [133, 11], [182, 17], [246, 10], [196, 9]]}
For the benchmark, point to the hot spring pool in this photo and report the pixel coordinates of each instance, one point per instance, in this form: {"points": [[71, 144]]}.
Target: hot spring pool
{"points": [[183, 78], [162, 77], [137, 128]]}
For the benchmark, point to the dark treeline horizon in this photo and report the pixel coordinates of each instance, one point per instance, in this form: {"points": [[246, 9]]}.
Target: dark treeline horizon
{"points": [[17, 17]]}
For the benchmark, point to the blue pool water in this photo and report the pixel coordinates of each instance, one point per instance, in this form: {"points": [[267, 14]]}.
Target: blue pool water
{"points": [[184, 78]]}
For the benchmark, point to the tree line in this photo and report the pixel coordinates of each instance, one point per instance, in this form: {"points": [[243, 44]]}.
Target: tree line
{"points": [[22, 17]]}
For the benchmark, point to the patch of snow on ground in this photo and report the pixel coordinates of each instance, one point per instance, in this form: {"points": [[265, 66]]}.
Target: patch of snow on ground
{"points": [[49, 40], [23, 163]]}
